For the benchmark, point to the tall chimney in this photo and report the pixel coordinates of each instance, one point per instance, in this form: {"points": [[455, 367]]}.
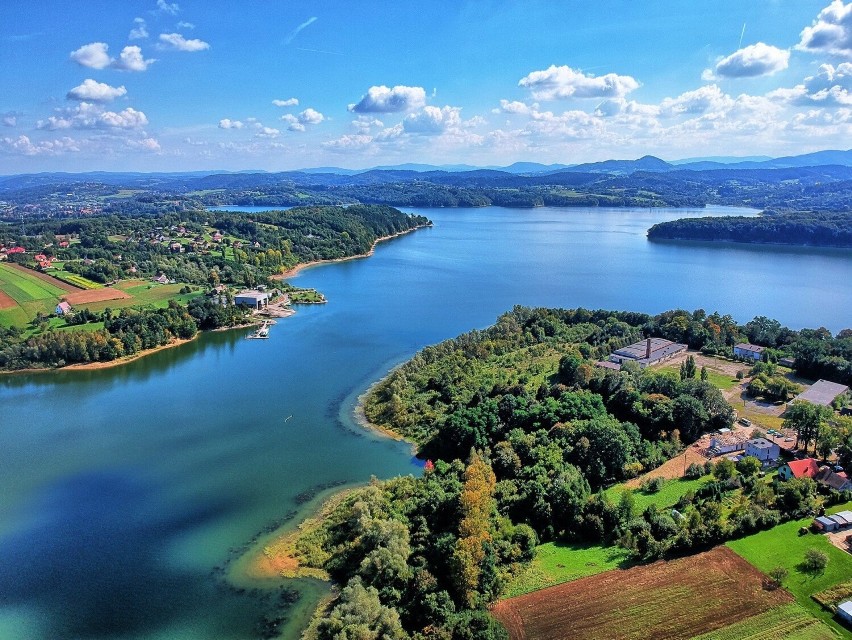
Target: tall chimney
{"points": [[648, 349]]}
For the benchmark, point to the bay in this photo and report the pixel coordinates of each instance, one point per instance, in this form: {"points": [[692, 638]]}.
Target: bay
{"points": [[127, 491]]}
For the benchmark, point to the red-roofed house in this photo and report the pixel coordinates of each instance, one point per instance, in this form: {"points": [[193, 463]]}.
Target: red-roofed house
{"points": [[807, 468]]}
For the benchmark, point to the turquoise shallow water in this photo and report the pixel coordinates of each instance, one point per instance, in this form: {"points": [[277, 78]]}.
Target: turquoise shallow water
{"points": [[124, 492]]}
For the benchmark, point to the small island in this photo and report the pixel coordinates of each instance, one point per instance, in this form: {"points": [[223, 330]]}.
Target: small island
{"points": [[567, 445]]}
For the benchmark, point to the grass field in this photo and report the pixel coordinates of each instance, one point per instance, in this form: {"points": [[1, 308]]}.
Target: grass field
{"points": [[783, 546], [558, 562], [665, 601], [788, 622], [31, 292], [144, 293], [671, 492], [716, 378]]}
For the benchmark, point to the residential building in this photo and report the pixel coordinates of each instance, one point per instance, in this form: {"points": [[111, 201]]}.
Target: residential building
{"points": [[749, 351], [832, 480], [807, 468], [763, 450], [844, 612], [62, 308]]}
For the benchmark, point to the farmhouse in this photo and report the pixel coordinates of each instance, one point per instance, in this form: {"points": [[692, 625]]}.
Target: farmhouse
{"points": [[763, 450], [832, 480], [750, 351], [162, 279], [648, 352], [253, 299], [822, 392], [62, 308], [807, 468]]}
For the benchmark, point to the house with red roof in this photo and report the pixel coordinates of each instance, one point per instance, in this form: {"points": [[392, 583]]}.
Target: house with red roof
{"points": [[807, 468]]}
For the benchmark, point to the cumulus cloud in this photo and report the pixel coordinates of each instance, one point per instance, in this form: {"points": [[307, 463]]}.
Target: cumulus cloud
{"points": [[382, 99], [93, 55], [830, 86], [9, 119], [171, 8], [92, 91], [185, 25], [365, 124], [227, 123], [289, 102], [22, 145], [267, 132], [754, 60], [348, 143], [144, 144], [177, 42], [432, 120], [831, 32], [706, 98], [564, 82], [96, 56], [513, 107], [140, 31], [88, 115], [311, 116]]}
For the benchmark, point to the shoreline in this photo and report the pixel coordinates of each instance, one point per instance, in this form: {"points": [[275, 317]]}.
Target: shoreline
{"points": [[293, 271], [361, 417]]}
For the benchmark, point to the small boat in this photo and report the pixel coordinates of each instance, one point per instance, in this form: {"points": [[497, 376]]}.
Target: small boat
{"points": [[262, 333]]}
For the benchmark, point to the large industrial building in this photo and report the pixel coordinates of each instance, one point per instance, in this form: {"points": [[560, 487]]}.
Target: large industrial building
{"points": [[648, 352]]}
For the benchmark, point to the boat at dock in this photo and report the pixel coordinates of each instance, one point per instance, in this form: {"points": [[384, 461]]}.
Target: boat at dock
{"points": [[262, 332]]}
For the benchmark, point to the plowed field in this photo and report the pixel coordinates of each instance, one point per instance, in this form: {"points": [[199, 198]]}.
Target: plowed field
{"points": [[664, 601], [94, 295]]}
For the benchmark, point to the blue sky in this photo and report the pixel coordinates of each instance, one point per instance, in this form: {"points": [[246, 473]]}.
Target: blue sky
{"points": [[189, 85]]}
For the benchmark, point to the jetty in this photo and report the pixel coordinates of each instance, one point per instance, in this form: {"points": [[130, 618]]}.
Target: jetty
{"points": [[262, 332]]}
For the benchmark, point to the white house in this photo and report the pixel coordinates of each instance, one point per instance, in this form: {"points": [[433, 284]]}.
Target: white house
{"points": [[750, 351], [763, 450]]}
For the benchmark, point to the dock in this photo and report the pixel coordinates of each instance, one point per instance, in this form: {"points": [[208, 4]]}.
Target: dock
{"points": [[262, 332]]}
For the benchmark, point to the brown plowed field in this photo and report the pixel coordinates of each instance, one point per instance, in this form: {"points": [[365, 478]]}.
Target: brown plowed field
{"points": [[5, 301], [44, 277], [665, 601], [95, 295]]}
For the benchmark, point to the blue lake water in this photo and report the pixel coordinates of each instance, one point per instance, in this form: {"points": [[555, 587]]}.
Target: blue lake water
{"points": [[125, 492]]}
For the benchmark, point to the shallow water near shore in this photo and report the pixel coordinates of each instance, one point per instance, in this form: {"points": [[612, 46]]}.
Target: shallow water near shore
{"points": [[127, 492]]}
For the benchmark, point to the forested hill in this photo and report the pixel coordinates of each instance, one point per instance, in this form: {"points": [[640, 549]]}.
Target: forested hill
{"points": [[809, 229]]}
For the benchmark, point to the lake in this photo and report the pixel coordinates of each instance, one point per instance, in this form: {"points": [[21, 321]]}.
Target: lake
{"points": [[126, 492]]}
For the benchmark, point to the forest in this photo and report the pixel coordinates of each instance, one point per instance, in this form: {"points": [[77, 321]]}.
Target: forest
{"points": [[807, 228], [521, 436]]}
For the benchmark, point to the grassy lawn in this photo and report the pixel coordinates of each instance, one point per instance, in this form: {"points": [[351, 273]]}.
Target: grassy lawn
{"points": [[783, 546], [23, 288], [671, 492], [558, 562], [717, 379], [145, 293], [788, 622]]}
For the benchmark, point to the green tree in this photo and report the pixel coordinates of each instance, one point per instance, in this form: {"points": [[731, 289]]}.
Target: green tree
{"points": [[688, 368], [360, 615]]}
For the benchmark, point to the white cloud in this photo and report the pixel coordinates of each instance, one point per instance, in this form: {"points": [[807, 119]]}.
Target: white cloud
{"points": [[348, 143], [298, 30], [171, 8], [185, 25], [91, 116], [311, 116], [145, 144], [227, 123], [365, 124], [830, 86], [293, 123], [131, 59], [177, 42], [96, 56], [831, 32], [140, 31], [564, 82], [92, 55], [9, 119], [432, 120], [382, 99], [706, 98], [754, 60], [513, 107], [267, 132], [289, 102], [92, 91], [22, 145]]}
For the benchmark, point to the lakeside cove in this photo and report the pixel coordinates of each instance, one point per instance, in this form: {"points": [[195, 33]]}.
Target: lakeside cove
{"points": [[175, 462]]}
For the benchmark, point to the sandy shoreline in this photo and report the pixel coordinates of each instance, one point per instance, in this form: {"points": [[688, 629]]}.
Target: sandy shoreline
{"points": [[295, 270]]}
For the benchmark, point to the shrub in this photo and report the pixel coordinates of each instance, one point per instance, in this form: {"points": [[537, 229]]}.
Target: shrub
{"points": [[695, 471], [777, 575], [652, 485], [815, 561]]}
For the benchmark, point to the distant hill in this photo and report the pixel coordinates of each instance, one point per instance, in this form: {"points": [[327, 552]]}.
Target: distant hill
{"points": [[645, 163]]}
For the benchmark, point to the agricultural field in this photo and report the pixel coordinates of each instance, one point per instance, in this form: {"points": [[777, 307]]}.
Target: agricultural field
{"points": [[665, 600], [27, 293], [788, 622], [671, 492], [76, 280], [138, 293], [783, 546]]}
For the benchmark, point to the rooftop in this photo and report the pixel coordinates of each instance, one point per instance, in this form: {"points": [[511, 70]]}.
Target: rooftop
{"points": [[660, 348], [745, 346], [761, 443], [822, 392], [806, 468]]}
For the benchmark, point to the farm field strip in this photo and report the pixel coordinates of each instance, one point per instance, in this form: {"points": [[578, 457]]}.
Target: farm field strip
{"points": [[43, 277], [789, 622], [25, 287], [665, 601]]}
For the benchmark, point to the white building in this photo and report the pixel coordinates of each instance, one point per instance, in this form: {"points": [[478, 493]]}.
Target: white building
{"points": [[750, 351], [763, 450]]}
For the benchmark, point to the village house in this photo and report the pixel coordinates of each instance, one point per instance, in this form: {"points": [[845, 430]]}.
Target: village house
{"points": [[763, 450], [727, 441], [837, 481], [748, 351], [162, 279], [63, 308], [807, 468]]}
